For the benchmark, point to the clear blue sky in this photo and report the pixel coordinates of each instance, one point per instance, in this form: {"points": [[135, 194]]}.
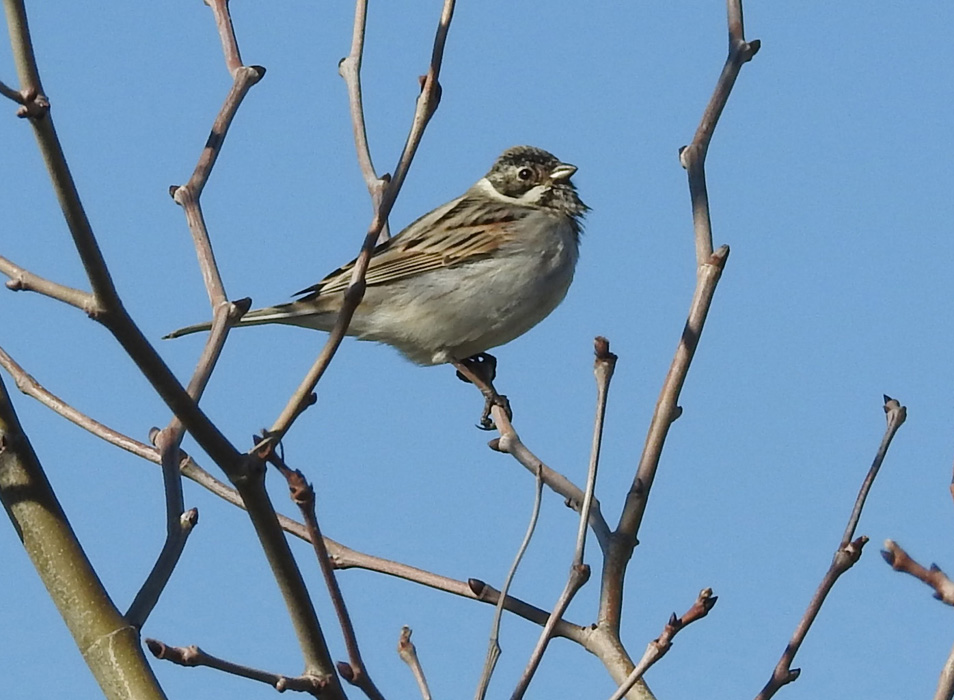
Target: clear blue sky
{"points": [[830, 178]]}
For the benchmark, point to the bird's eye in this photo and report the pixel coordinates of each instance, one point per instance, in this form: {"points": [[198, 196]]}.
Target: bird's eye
{"points": [[524, 173]]}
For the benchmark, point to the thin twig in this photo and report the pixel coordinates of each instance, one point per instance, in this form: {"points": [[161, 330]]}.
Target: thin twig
{"points": [[895, 414], [579, 575], [710, 265], [426, 105], [493, 648], [603, 368], [693, 156], [900, 560], [408, 653], [10, 93], [350, 70], [579, 572], [845, 557], [303, 495], [29, 386], [22, 280], [510, 443], [223, 22], [179, 525], [194, 656], [662, 644]]}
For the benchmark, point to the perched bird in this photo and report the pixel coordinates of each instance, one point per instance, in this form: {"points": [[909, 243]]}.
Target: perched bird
{"points": [[472, 274]]}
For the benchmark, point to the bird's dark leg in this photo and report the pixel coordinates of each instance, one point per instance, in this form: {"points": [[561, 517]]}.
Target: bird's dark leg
{"points": [[480, 370]]}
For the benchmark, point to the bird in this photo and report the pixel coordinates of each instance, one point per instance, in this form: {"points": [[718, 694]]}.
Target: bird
{"points": [[471, 275]]}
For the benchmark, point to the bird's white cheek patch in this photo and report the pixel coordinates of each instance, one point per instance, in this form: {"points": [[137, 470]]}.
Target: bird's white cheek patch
{"points": [[530, 197]]}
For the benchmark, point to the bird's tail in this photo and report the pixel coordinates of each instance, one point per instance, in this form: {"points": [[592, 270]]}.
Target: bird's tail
{"points": [[294, 313]]}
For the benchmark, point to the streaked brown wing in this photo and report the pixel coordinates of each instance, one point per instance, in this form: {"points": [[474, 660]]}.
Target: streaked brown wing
{"points": [[480, 226]]}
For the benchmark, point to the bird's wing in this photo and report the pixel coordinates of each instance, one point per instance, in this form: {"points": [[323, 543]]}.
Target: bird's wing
{"points": [[480, 227]]}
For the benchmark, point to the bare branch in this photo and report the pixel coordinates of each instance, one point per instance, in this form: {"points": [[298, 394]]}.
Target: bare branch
{"points": [[693, 156], [194, 656], [29, 386], [662, 644], [303, 495], [179, 525], [341, 556], [709, 269], [22, 280], [350, 69], [486, 593], [110, 645], [246, 472], [510, 443], [148, 595], [900, 560], [408, 653], [223, 22], [603, 368], [579, 575], [845, 557], [426, 105], [11, 94], [895, 414], [493, 649]]}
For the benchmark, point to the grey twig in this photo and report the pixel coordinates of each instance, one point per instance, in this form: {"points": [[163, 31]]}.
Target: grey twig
{"points": [[350, 70], [426, 105], [22, 280], [10, 93], [579, 575], [303, 496], [178, 522], [408, 653], [848, 552], [194, 656], [662, 644], [603, 368], [900, 560], [895, 414], [710, 265], [493, 649], [579, 571], [510, 443], [179, 525]]}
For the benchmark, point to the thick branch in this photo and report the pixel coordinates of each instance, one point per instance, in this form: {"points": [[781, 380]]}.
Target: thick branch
{"points": [[109, 644]]}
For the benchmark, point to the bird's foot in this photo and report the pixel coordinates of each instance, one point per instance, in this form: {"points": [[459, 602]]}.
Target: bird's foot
{"points": [[486, 423], [481, 370]]}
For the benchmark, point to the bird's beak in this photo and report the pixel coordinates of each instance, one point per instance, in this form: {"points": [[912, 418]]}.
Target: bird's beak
{"points": [[562, 172]]}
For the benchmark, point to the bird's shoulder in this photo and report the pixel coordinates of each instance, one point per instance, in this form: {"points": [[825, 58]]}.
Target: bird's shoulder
{"points": [[468, 228]]}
